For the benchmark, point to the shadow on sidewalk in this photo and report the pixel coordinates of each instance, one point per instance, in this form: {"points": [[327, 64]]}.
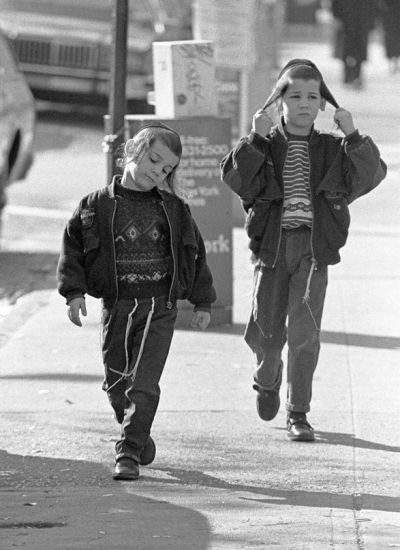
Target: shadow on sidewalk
{"points": [[288, 497], [360, 340], [348, 440], [327, 337], [76, 504], [24, 272]]}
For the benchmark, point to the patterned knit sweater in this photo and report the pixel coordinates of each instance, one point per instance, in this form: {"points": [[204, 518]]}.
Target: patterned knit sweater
{"points": [[297, 209], [142, 244]]}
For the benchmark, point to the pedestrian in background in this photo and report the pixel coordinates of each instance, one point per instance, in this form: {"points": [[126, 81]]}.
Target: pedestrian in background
{"points": [[354, 21], [295, 184], [135, 245], [390, 17]]}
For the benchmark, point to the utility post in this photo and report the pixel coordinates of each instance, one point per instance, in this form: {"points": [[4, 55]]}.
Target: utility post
{"points": [[114, 122]]}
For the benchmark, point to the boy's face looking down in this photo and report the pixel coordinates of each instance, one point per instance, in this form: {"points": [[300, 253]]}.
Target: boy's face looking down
{"points": [[299, 105], [151, 169]]}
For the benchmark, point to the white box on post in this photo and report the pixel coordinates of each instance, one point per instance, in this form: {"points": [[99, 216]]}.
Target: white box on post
{"points": [[184, 78]]}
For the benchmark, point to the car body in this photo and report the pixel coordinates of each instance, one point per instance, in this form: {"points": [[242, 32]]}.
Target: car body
{"points": [[17, 120], [65, 46]]}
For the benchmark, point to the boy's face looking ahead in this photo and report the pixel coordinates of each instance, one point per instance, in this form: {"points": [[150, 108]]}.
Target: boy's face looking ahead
{"points": [[300, 104], [151, 169]]}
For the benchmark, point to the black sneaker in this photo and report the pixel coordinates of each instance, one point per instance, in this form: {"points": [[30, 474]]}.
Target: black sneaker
{"points": [[126, 468], [268, 403], [298, 428]]}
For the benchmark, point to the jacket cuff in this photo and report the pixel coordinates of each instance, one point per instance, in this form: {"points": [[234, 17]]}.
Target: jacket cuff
{"points": [[353, 137], [74, 295], [203, 307], [257, 140]]}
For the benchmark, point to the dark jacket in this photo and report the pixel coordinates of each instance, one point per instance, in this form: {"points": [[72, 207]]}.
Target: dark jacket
{"points": [[341, 170], [87, 262]]}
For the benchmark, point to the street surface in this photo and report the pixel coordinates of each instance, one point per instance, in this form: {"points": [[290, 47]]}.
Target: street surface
{"points": [[222, 478]]}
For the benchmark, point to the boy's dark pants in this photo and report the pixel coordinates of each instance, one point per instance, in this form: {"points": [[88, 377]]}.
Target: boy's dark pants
{"points": [[137, 336], [289, 282]]}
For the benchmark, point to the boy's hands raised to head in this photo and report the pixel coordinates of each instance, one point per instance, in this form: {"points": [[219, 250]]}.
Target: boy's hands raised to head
{"points": [[262, 123], [74, 307], [344, 120], [201, 319]]}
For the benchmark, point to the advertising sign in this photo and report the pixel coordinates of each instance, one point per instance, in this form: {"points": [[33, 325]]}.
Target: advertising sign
{"points": [[184, 78], [230, 25], [205, 141], [228, 84]]}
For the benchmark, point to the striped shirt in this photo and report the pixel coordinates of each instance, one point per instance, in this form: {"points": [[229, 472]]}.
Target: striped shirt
{"points": [[297, 208]]}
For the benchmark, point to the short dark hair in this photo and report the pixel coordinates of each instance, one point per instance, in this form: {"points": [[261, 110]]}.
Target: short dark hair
{"points": [[303, 72], [304, 69]]}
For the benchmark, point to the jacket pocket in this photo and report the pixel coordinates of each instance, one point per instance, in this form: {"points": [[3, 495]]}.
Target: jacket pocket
{"points": [[336, 219], [90, 242], [256, 222]]}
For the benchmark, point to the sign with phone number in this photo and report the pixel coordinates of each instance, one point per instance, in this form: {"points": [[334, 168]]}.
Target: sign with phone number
{"points": [[205, 141]]}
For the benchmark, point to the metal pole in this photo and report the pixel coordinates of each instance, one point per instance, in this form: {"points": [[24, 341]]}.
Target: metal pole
{"points": [[117, 99], [244, 102]]}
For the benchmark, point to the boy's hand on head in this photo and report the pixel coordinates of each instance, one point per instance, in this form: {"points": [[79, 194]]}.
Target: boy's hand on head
{"points": [[262, 123], [201, 319], [74, 307], [344, 120]]}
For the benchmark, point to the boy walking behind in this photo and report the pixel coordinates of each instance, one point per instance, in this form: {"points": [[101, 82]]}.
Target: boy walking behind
{"points": [[295, 184], [135, 245]]}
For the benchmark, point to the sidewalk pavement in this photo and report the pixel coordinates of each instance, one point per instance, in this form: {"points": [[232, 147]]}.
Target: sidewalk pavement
{"points": [[222, 478]]}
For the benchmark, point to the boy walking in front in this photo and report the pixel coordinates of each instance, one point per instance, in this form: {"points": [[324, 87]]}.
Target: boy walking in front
{"points": [[295, 184]]}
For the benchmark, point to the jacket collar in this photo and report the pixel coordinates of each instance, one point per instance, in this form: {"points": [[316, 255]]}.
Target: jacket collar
{"points": [[110, 189], [278, 132]]}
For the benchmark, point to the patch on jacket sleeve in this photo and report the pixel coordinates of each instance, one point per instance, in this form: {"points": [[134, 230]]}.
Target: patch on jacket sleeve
{"points": [[87, 217]]}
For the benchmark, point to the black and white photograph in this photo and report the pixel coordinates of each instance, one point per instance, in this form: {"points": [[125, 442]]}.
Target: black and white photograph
{"points": [[199, 274]]}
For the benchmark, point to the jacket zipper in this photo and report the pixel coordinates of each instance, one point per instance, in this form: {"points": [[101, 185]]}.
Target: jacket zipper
{"points": [[114, 253], [280, 224], [279, 243], [312, 208], [169, 301]]}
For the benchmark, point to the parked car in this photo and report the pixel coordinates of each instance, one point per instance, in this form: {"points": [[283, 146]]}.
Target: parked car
{"points": [[65, 46], [17, 121]]}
